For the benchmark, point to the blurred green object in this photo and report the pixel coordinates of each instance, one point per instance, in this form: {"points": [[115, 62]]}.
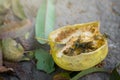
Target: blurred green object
{"points": [[45, 20]]}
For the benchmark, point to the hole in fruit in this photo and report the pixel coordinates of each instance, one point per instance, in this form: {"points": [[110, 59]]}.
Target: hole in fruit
{"points": [[65, 33], [77, 47]]}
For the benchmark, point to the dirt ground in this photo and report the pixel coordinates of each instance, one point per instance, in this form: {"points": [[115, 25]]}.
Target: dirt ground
{"points": [[70, 12]]}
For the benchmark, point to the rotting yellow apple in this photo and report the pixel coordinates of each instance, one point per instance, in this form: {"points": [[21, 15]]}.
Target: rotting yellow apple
{"points": [[78, 47]]}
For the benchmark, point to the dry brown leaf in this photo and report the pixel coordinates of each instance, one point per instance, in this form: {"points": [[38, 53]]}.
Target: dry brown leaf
{"points": [[4, 69]]}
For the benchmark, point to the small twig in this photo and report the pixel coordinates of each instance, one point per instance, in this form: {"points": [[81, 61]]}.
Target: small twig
{"points": [[88, 71]]}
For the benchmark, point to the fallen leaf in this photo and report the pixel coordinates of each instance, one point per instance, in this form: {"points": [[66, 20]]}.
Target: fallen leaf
{"points": [[4, 69], [18, 9], [15, 29], [44, 61], [45, 20]]}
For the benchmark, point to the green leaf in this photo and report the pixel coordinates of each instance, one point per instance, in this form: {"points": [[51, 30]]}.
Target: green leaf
{"points": [[18, 9], [45, 20], [44, 61], [88, 71], [115, 75]]}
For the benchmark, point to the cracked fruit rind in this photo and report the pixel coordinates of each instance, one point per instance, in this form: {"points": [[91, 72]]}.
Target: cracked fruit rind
{"points": [[69, 57]]}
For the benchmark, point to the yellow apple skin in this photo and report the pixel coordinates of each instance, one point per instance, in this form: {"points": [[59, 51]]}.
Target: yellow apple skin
{"points": [[78, 62]]}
